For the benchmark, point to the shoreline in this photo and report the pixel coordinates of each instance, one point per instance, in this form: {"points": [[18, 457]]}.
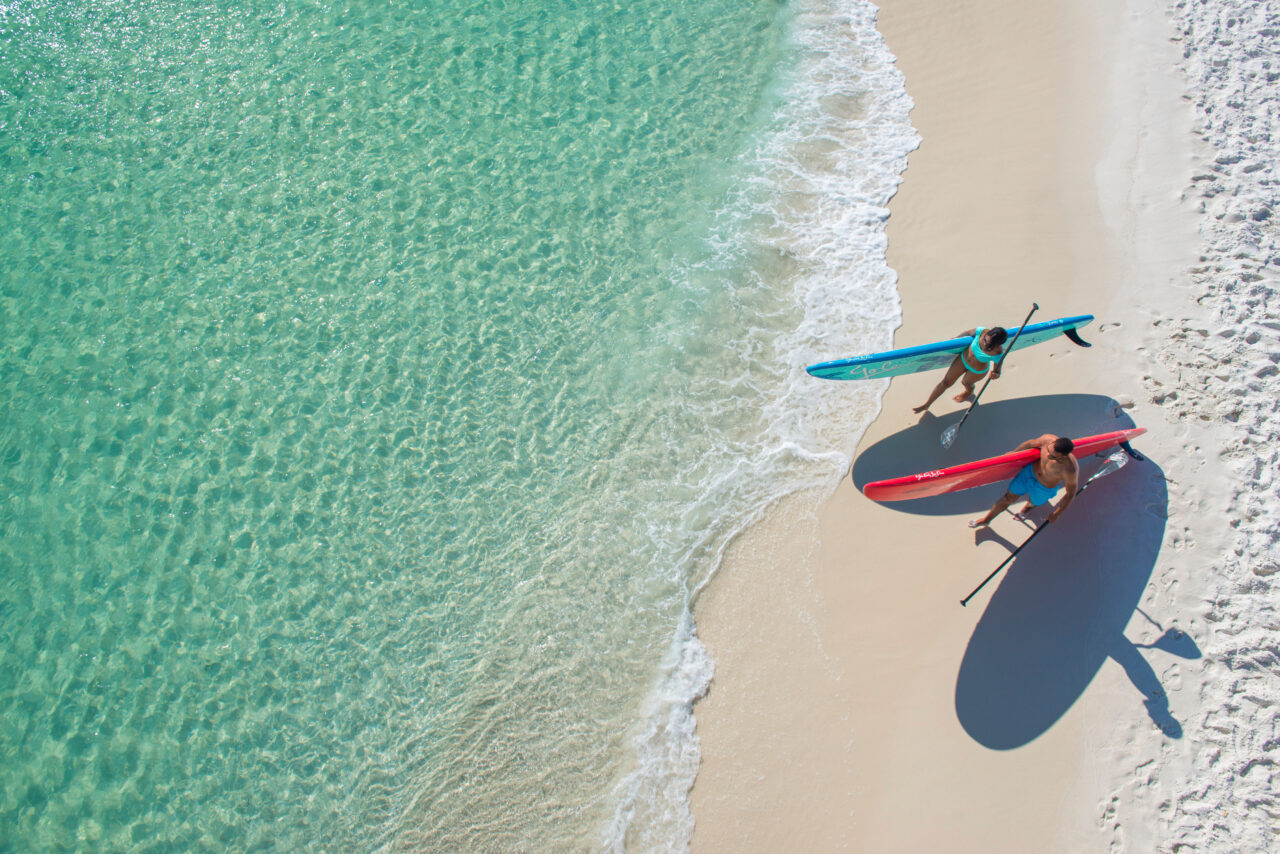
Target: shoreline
{"points": [[850, 690]]}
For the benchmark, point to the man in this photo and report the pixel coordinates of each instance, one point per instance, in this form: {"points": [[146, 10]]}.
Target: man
{"points": [[1040, 480], [971, 363]]}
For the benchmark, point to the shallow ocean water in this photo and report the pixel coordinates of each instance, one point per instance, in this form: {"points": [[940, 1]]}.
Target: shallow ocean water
{"points": [[381, 381]]}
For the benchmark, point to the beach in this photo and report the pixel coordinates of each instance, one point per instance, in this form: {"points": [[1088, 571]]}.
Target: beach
{"points": [[408, 443], [1090, 158]]}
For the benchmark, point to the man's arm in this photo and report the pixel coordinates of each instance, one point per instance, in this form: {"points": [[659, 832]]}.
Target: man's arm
{"points": [[1041, 442], [1072, 487]]}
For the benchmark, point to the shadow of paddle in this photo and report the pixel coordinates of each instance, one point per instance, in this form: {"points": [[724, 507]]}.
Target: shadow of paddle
{"points": [[1061, 609], [993, 429]]}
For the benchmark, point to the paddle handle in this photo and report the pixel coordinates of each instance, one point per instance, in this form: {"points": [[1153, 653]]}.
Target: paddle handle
{"points": [[1006, 561]]}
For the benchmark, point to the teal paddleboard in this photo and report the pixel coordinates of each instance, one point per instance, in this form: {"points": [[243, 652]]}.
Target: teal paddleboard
{"points": [[927, 357]]}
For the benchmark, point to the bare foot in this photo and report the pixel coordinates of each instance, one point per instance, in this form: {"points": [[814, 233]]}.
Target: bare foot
{"points": [[963, 396], [919, 409], [1023, 514], [978, 523]]}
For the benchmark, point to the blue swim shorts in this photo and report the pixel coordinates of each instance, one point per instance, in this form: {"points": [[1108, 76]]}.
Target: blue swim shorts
{"points": [[1025, 483]]}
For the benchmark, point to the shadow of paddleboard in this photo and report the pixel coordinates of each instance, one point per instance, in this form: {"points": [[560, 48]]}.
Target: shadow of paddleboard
{"points": [[1061, 610], [993, 429]]}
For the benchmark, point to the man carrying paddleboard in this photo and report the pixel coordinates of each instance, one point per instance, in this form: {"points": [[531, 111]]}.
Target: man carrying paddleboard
{"points": [[971, 364], [1040, 480]]}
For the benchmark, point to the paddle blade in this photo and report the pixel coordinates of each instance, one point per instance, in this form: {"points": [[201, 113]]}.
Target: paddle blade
{"points": [[1115, 462], [949, 435]]}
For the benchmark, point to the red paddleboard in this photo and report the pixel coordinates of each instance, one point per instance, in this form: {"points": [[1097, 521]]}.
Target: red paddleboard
{"points": [[982, 472]]}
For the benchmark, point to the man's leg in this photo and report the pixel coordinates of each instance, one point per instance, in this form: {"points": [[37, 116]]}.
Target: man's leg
{"points": [[996, 509], [1044, 494]]}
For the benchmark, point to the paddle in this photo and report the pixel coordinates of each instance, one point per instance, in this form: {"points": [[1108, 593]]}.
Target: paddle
{"points": [[949, 435], [1115, 462]]}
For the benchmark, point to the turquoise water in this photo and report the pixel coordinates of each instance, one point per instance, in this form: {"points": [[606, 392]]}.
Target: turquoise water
{"points": [[380, 383]]}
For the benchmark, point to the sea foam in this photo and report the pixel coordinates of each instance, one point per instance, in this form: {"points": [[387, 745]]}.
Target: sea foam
{"points": [[806, 218]]}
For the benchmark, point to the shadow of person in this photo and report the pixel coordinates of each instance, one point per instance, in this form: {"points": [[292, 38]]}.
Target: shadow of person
{"points": [[1173, 641], [1125, 653], [1061, 611], [993, 429]]}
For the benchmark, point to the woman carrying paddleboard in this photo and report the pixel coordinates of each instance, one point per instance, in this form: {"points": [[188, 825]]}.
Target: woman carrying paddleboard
{"points": [[971, 364]]}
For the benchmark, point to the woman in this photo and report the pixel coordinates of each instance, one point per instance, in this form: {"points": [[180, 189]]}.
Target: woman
{"points": [[986, 349]]}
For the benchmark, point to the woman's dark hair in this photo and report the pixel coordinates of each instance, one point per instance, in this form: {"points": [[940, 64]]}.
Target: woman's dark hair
{"points": [[998, 336], [1063, 445]]}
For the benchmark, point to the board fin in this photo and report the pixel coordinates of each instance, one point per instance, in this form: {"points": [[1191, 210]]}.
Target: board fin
{"points": [[1075, 337], [1128, 449]]}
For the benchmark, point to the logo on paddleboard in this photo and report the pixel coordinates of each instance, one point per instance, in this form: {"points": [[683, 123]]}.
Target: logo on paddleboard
{"points": [[926, 475]]}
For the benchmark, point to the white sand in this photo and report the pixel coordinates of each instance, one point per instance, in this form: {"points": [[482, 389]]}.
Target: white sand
{"points": [[1210, 363], [1115, 688]]}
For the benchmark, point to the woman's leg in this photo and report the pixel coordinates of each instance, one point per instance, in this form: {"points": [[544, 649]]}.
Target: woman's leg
{"points": [[953, 373], [969, 381]]}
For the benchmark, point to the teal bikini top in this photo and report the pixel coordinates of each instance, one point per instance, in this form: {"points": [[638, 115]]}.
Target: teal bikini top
{"points": [[975, 349]]}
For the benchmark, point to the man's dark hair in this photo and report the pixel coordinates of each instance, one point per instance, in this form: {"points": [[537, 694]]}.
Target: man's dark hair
{"points": [[998, 335], [1063, 445]]}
